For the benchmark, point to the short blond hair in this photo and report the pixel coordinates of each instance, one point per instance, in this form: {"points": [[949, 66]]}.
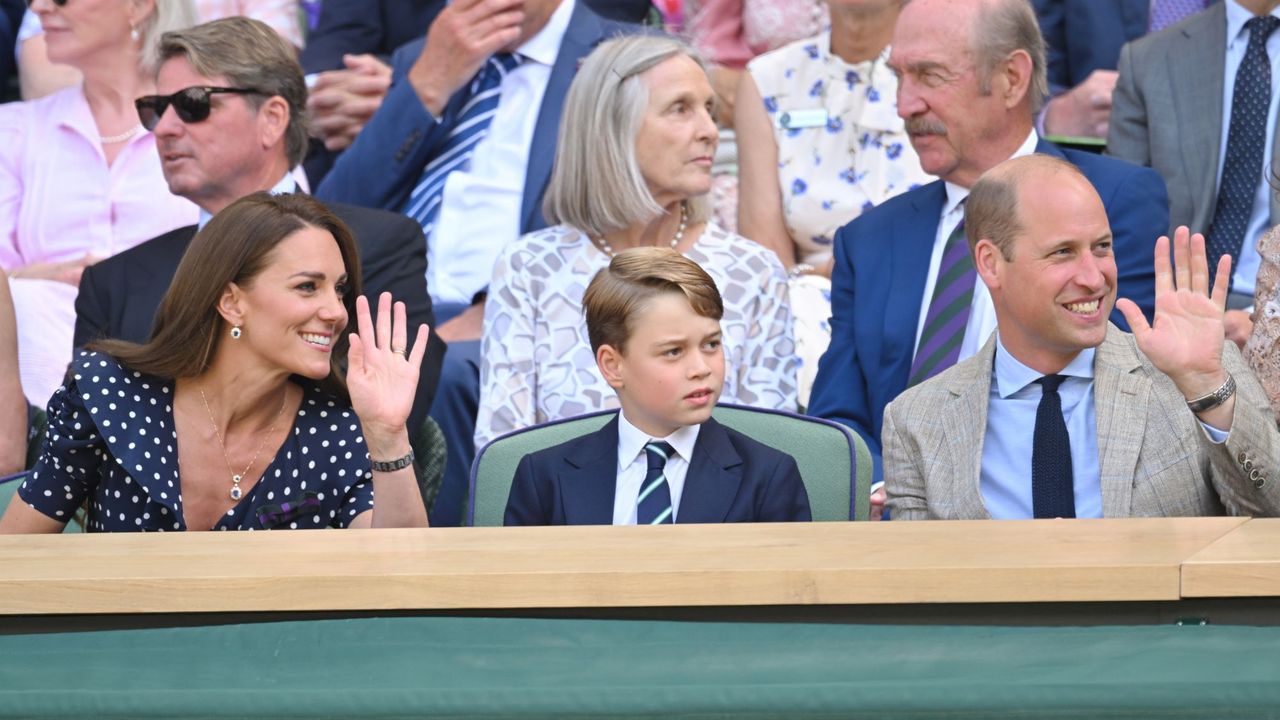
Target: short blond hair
{"points": [[596, 185], [634, 277]]}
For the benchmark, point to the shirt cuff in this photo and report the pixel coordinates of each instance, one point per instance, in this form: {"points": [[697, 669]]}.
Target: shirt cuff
{"points": [[1216, 436]]}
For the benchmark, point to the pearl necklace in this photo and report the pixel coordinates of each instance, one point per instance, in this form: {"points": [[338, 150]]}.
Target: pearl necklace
{"points": [[675, 241], [126, 135]]}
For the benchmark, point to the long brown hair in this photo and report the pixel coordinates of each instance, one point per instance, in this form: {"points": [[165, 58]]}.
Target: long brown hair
{"points": [[234, 247]]}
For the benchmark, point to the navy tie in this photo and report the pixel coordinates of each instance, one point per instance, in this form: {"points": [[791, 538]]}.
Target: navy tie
{"points": [[470, 128], [653, 506], [1246, 139], [1052, 488]]}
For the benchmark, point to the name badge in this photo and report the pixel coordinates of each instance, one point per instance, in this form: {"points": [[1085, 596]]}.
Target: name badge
{"points": [[796, 119]]}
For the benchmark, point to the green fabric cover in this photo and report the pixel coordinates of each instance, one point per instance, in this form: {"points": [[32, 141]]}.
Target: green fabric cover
{"points": [[823, 452], [516, 668]]}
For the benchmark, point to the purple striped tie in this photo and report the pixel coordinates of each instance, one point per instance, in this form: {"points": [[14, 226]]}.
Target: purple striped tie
{"points": [[948, 314], [1167, 12]]}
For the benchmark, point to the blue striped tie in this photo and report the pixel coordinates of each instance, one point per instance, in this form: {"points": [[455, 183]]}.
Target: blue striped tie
{"points": [[653, 506], [471, 127], [948, 314]]}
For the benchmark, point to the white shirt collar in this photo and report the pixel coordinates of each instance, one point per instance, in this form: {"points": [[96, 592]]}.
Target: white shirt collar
{"points": [[1237, 16], [286, 185], [544, 46], [1011, 375], [957, 194], [631, 441]]}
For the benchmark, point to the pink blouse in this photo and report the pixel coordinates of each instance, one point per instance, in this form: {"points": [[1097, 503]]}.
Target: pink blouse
{"points": [[732, 32], [58, 197]]}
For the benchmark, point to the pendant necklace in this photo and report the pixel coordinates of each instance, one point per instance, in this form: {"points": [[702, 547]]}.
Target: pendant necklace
{"points": [[236, 478]]}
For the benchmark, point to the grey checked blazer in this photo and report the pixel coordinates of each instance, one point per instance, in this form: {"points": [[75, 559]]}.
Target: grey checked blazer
{"points": [[1155, 459], [1167, 113]]}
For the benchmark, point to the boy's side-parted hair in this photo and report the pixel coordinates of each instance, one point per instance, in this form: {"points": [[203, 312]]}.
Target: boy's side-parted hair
{"points": [[634, 277]]}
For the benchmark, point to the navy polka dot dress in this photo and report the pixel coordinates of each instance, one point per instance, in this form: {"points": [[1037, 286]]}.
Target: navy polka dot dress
{"points": [[111, 440]]}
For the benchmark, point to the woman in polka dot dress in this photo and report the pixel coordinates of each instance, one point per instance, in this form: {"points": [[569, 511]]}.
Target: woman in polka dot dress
{"points": [[234, 416]]}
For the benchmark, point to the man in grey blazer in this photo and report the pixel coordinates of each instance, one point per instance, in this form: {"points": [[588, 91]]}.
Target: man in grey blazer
{"points": [[1062, 414], [1173, 107]]}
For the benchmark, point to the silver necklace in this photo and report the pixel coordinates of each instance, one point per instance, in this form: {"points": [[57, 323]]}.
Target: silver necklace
{"points": [[126, 135], [675, 241], [236, 492]]}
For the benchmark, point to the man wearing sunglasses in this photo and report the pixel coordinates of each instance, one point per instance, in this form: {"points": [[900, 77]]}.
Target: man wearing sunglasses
{"points": [[229, 121]]}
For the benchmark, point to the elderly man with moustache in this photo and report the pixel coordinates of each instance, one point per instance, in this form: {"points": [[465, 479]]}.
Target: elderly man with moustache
{"points": [[905, 302], [1062, 414]]}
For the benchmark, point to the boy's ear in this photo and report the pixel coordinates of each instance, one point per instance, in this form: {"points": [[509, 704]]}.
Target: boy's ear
{"points": [[609, 360]]}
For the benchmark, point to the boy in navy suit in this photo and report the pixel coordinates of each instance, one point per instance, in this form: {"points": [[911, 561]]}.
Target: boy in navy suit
{"points": [[653, 319]]}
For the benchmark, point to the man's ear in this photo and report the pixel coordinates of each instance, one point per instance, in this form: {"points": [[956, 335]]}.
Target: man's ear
{"points": [[987, 260], [231, 304], [610, 362], [1013, 81], [273, 121]]}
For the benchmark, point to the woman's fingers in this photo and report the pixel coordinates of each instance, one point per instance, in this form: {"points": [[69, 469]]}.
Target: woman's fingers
{"points": [[419, 347], [383, 321], [399, 329]]}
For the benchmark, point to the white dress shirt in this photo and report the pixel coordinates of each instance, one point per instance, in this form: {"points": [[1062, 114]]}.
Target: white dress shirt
{"points": [[481, 207], [633, 465], [982, 314], [1246, 265]]}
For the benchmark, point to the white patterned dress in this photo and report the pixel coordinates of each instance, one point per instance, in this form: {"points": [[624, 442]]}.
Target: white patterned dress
{"points": [[536, 362], [841, 149]]}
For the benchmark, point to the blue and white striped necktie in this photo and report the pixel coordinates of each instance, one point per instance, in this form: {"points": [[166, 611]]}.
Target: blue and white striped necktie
{"points": [[653, 506], [471, 127]]}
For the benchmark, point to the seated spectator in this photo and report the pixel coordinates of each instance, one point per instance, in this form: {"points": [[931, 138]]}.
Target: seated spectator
{"points": [[216, 147], [79, 176], [13, 406], [1263, 348], [1214, 149], [1062, 414], [653, 317], [905, 303], [235, 415], [41, 74], [634, 177], [1084, 38], [821, 141], [472, 174], [728, 34]]}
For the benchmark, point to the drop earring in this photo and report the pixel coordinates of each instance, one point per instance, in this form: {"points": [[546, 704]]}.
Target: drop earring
{"points": [[133, 33], [236, 332]]}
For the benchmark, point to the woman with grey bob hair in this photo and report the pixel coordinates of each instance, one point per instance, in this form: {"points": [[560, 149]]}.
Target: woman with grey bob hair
{"points": [[633, 168]]}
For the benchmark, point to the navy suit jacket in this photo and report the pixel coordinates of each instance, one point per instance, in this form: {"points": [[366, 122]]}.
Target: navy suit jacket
{"points": [[1086, 35], [119, 296], [731, 478], [376, 27], [386, 160], [882, 265]]}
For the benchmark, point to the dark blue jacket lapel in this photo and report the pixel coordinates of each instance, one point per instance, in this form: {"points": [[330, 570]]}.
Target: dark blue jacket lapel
{"points": [[590, 476], [715, 474]]}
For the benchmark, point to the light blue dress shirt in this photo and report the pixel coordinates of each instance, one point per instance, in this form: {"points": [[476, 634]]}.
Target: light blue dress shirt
{"points": [[1011, 422], [1246, 267]]}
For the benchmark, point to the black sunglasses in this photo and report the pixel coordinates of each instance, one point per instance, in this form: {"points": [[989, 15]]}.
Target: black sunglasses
{"points": [[191, 104], [59, 3]]}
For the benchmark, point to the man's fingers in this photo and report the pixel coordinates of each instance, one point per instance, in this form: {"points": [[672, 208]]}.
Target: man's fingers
{"points": [[1222, 282], [1138, 324], [1181, 258], [1164, 273]]}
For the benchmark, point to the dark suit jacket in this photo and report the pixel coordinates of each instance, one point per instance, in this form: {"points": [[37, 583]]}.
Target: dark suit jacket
{"points": [[375, 27], [731, 478], [882, 265], [1086, 35], [386, 160], [119, 296]]}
